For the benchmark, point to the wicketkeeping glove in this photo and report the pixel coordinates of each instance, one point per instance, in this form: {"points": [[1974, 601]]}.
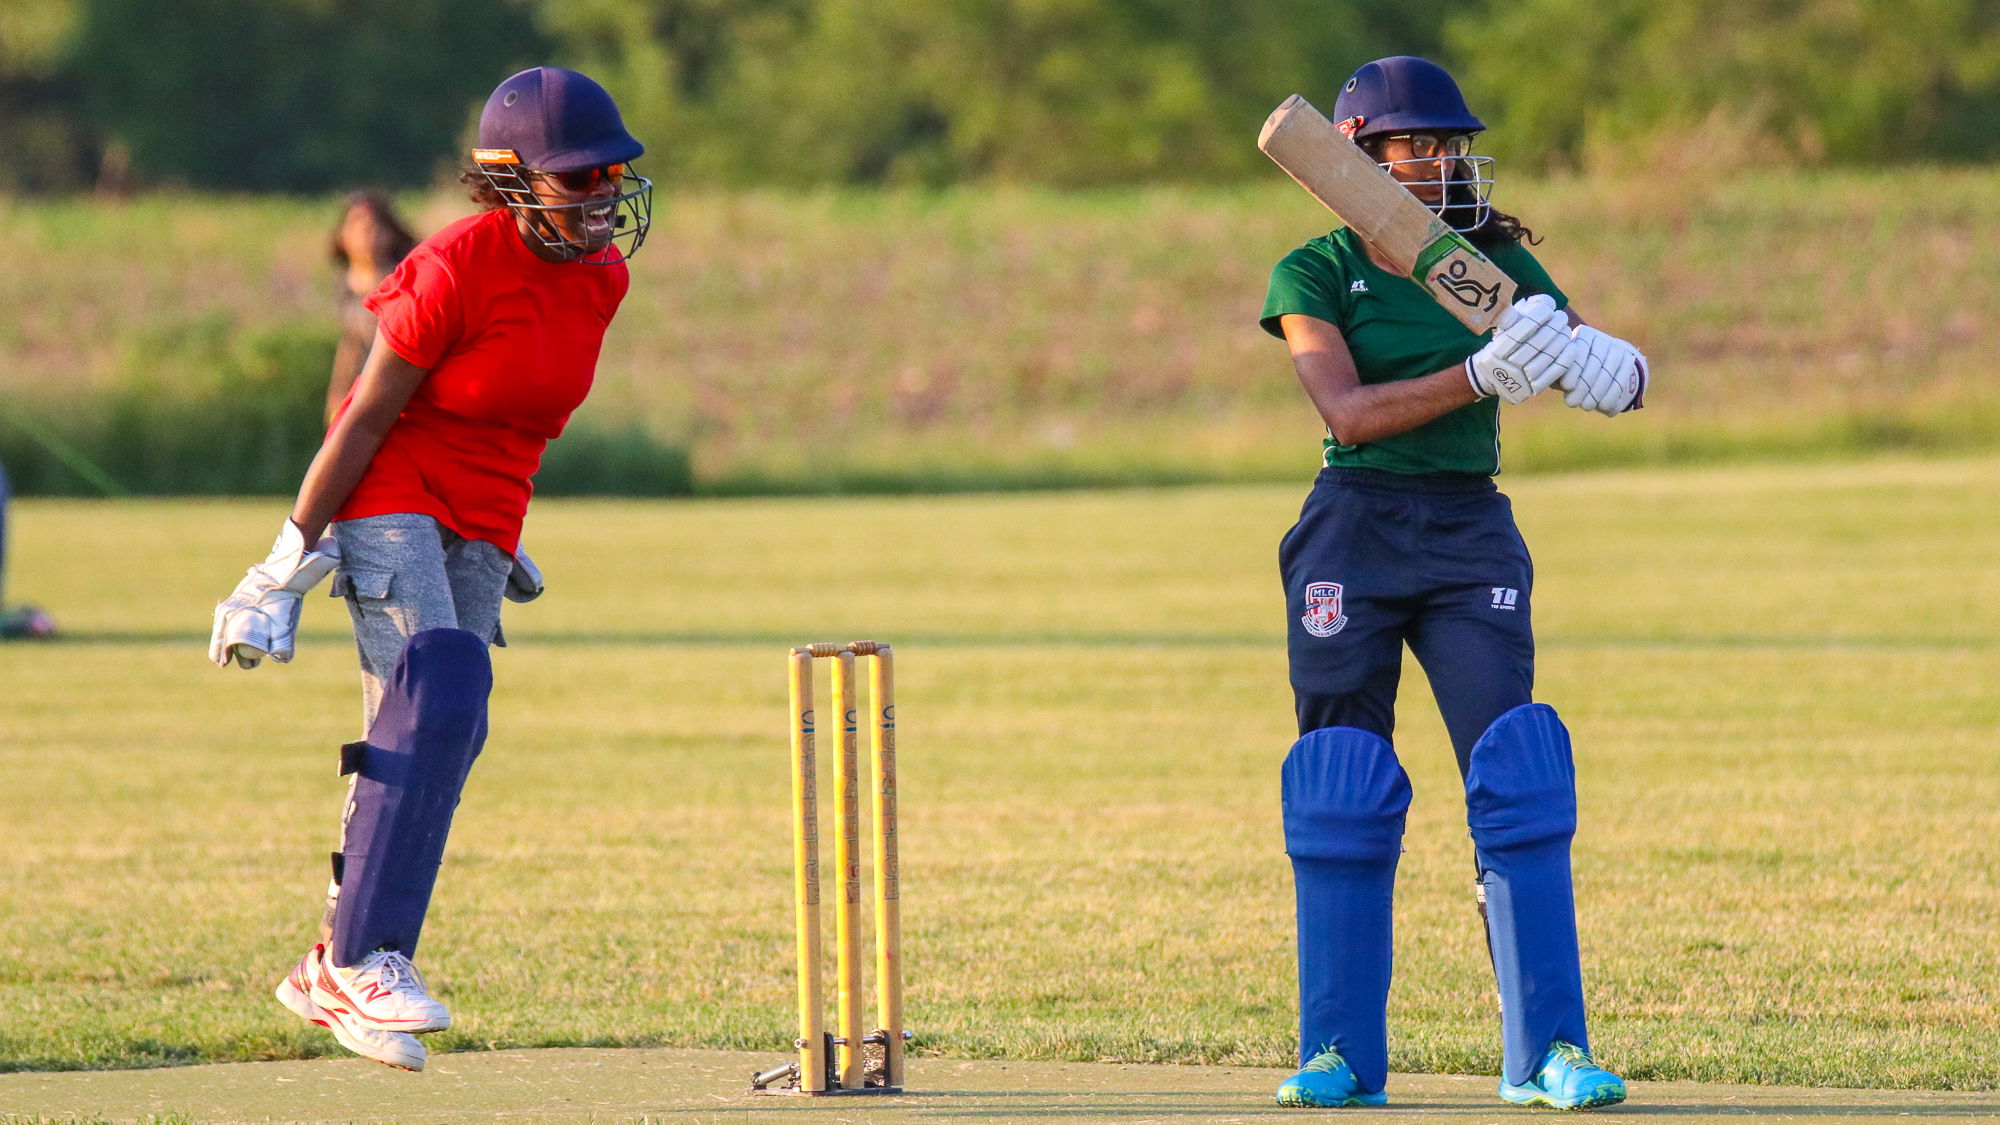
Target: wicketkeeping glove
{"points": [[524, 580], [1530, 350], [260, 617]]}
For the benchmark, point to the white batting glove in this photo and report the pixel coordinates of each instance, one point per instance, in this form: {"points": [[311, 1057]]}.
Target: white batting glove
{"points": [[260, 617], [1531, 349], [1610, 379], [1596, 348]]}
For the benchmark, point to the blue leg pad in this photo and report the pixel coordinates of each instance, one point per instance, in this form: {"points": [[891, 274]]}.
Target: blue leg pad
{"points": [[1345, 796], [430, 727], [1520, 797]]}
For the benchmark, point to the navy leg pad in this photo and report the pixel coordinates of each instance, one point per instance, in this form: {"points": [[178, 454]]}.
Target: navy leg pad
{"points": [[430, 727], [1345, 797], [1520, 797]]}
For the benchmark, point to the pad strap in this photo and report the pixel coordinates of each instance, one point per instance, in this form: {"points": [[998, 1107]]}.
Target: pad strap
{"points": [[352, 757]]}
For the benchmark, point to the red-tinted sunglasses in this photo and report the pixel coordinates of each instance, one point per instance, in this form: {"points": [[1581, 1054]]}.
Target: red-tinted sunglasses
{"points": [[587, 179]]}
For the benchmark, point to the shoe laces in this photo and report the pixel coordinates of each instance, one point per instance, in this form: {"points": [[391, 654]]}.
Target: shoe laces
{"points": [[1326, 1062], [395, 971], [1571, 1054]]}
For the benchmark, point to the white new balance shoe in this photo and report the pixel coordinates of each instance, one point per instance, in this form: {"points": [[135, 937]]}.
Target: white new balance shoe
{"points": [[384, 992], [391, 1047]]}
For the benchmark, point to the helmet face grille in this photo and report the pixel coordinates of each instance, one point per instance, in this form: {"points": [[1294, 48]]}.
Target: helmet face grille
{"points": [[631, 216], [1466, 188]]}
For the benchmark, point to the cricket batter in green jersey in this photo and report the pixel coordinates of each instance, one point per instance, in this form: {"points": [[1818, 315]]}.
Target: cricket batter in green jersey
{"points": [[1405, 541]]}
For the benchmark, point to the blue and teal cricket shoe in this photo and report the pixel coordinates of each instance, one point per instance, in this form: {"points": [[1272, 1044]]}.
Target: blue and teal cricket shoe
{"points": [[1328, 1083], [1567, 1079]]}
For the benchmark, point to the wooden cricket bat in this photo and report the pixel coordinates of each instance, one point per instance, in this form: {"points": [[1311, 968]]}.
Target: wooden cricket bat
{"points": [[1365, 197]]}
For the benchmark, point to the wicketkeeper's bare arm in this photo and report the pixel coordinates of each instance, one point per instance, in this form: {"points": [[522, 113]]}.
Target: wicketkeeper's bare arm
{"points": [[384, 387], [260, 617]]}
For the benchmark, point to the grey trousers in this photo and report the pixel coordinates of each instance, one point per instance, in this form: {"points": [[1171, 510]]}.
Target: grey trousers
{"points": [[404, 573]]}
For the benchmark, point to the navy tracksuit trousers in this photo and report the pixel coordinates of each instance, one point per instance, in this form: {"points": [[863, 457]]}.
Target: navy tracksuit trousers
{"points": [[1379, 560]]}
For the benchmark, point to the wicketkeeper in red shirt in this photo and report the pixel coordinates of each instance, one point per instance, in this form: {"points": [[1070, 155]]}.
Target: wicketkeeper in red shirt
{"points": [[487, 340]]}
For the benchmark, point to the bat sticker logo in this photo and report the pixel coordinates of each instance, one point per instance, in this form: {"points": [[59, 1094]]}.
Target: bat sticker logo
{"points": [[1466, 291]]}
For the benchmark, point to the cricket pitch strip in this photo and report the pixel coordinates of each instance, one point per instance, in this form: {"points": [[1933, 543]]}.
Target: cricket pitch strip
{"points": [[617, 1085]]}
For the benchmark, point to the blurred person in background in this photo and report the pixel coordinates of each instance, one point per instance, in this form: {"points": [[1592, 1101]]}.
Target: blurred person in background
{"points": [[1404, 540], [22, 622], [367, 243], [486, 340]]}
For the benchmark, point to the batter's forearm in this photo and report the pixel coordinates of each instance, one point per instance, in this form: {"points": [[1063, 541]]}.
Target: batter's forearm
{"points": [[1371, 412]]}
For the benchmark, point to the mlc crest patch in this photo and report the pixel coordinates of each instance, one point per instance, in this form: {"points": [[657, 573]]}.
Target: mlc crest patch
{"points": [[1323, 617]]}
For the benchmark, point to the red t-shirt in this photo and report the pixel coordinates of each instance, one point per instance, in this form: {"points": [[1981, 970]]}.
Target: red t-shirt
{"points": [[511, 342]]}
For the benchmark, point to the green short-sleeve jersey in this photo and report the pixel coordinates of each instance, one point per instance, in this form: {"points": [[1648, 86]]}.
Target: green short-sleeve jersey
{"points": [[1397, 331]]}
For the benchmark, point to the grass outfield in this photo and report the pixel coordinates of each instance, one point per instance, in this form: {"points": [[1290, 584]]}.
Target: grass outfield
{"points": [[1782, 684]]}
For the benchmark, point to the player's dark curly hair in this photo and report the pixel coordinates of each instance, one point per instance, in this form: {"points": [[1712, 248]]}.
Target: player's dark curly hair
{"points": [[1499, 228], [480, 189]]}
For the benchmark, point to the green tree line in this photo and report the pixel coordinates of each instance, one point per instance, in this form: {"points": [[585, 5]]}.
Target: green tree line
{"points": [[310, 95]]}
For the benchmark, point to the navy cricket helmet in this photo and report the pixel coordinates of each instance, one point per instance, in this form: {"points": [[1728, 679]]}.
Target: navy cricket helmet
{"points": [[1407, 96], [559, 125], [1402, 94]]}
